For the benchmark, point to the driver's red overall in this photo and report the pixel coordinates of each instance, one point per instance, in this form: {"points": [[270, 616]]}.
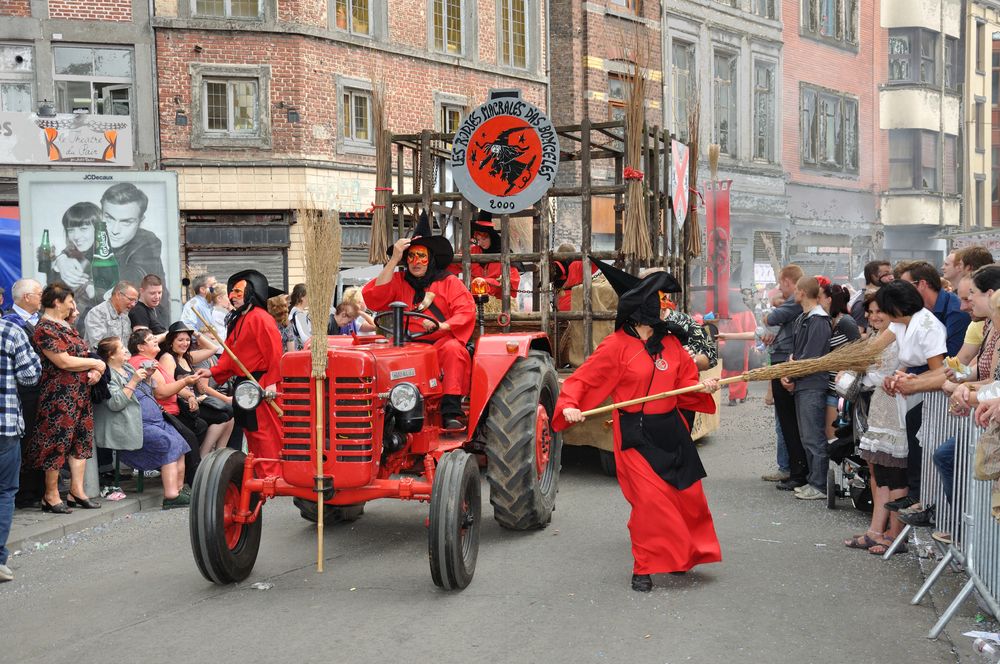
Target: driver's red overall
{"points": [[255, 339], [454, 305]]}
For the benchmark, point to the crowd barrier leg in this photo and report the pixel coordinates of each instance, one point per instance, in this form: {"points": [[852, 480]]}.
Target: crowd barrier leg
{"points": [[951, 610], [904, 534]]}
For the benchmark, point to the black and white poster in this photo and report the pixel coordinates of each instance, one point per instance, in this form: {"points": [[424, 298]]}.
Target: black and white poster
{"points": [[63, 220]]}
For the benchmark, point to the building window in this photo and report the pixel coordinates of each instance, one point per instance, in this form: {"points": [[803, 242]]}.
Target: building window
{"points": [[230, 107], [728, 3], [951, 54], [980, 47], [913, 56], [725, 101], [980, 126], [451, 118], [354, 16], [17, 68], [829, 130], [981, 212], [357, 117], [682, 76], [764, 8], [227, 8], [630, 5], [447, 16], [93, 80], [835, 21], [232, 102], [763, 110], [995, 177], [513, 33], [913, 161], [617, 96]]}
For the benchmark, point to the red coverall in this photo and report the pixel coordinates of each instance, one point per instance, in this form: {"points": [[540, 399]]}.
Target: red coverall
{"points": [[255, 339], [453, 304]]}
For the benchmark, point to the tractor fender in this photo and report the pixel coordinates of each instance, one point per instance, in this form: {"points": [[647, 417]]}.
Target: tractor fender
{"points": [[495, 355]]}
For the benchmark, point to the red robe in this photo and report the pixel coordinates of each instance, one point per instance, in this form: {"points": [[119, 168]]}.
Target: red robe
{"points": [[573, 278], [255, 339], [671, 529], [491, 272], [453, 304]]}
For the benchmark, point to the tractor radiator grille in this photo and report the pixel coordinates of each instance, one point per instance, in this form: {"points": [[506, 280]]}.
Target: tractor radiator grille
{"points": [[296, 425], [353, 413]]}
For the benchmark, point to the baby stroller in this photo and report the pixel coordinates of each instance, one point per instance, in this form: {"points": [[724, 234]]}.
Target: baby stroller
{"points": [[848, 476]]}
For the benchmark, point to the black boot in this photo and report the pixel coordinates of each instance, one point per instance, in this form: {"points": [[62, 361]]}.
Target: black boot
{"points": [[451, 413], [642, 583]]}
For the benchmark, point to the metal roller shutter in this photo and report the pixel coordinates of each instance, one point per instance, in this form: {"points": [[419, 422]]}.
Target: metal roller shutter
{"points": [[273, 264]]}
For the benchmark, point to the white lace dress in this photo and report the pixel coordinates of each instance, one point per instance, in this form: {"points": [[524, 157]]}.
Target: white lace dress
{"points": [[884, 443]]}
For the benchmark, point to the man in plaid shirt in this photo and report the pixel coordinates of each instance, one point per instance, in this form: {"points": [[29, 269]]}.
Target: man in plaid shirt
{"points": [[19, 365]]}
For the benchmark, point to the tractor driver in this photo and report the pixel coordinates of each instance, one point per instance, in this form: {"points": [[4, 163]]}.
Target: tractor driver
{"points": [[427, 286]]}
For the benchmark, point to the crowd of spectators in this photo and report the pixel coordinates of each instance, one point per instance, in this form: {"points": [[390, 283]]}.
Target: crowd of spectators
{"points": [[927, 322]]}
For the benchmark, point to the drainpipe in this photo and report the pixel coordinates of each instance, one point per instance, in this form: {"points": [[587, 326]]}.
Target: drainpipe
{"points": [[156, 88], [548, 57]]}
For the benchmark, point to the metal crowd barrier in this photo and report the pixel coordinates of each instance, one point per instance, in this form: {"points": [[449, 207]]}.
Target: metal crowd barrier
{"points": [[975, 533]]}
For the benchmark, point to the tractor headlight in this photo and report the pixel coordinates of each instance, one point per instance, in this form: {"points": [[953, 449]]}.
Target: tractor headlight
{"points": [[404, 397], [247, 395]]}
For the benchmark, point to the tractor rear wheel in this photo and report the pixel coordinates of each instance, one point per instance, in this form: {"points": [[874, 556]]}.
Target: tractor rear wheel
{"points": [[522, 450], [455, 517], [332, 513], [224, 550]]}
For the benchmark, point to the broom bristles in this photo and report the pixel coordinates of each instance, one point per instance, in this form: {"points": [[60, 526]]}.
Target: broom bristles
{"points": [[856, 356], [322, 253]]}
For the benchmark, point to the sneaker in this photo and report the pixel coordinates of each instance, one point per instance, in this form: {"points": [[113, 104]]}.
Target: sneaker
{"points": [[6, 574], [149, 474], [920, 519], [800, 489], [788, 485], [181, 500], [810, 493], [943, 538], [775, 476], [901, 503]]}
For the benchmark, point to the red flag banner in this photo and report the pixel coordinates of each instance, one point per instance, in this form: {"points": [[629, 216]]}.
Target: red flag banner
{"points": [[718, 251]]}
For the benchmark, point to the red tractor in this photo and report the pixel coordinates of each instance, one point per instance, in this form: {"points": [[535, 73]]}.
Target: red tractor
{"points": [[384, 440]]}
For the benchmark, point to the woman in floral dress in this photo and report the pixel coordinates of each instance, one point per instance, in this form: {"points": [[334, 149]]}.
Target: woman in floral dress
{"points": [[66, 424]]}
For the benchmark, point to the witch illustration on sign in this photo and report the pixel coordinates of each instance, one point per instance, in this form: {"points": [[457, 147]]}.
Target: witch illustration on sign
{"points": [[502, 158]]}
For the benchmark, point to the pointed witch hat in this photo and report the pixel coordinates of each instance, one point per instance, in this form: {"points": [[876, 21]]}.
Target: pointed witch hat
{"points": [[638, 299], [437, 245]]}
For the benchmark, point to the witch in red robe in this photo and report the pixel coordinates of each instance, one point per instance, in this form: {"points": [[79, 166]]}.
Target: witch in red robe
{"points": [[659, 469], [486, 240], [425, 285], [253, 337]]}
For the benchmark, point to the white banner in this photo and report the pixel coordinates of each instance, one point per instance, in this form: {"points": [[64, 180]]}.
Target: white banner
{"points": [[66, 138]]}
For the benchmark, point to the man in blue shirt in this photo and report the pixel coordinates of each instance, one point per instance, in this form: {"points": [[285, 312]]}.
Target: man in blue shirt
{"points": [[19, 365], [946, 306], [203, 302]]}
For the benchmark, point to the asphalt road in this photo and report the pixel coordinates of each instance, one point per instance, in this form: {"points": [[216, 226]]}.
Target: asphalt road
{"points": [[786, 591]]}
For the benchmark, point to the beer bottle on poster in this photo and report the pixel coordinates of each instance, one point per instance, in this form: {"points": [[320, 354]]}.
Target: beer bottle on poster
{"points": [[45, 254], [104, 266]]}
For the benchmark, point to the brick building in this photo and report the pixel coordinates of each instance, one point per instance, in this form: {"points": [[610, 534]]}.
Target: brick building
{"points": [[726, 56], [77, 95], [591, 44], [834, 152], [265, 105]]}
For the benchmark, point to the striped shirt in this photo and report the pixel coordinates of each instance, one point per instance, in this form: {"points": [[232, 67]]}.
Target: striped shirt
{"points": [[19, 365], [844, 330]]}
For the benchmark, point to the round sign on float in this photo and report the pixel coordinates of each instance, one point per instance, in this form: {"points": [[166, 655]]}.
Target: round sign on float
{"points": [[505, 154]]}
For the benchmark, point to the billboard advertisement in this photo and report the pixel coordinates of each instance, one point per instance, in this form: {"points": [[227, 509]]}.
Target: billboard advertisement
{"points": [[90, 230]]}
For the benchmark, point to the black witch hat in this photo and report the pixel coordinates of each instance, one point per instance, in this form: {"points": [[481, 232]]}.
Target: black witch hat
{"points": [[483, 223], [638, 299], [437, 245], [259, 292]]}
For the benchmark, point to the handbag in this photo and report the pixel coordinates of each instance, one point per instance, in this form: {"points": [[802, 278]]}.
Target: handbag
{"points": [[215, 403], [987, 465]]}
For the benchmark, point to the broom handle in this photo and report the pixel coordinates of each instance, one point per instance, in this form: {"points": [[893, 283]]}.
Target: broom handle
{"points": [[662, 395], [232, 356], [320, 506]]}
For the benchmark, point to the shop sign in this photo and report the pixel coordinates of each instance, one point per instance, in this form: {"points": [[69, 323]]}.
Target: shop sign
{"points": [[66, 138]]}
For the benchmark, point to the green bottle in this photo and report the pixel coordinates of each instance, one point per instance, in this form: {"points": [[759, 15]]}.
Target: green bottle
{"points": [[45, 254], [104, 266]]}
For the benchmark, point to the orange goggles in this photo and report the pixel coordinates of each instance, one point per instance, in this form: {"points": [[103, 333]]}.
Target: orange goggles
{"points": [[238, 288], [418, 256]]}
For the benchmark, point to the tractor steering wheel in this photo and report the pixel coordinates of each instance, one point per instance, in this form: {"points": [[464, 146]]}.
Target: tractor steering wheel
{"points": [[407, 335]]}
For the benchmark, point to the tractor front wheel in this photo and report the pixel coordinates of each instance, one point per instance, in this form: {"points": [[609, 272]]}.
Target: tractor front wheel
{"points": [[224, 549], [522, 450], [332, 513], [455, 516]]}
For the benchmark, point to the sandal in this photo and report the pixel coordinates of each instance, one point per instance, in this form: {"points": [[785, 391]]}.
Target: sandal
{"points": [[879, 549], [862, 541]]}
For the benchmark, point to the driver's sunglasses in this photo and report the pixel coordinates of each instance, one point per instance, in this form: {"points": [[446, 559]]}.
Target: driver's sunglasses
{"points": [[417, 256]]}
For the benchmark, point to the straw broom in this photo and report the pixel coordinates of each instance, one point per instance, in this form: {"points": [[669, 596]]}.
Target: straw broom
{"points": [[857, 356], [692, 232], [321, 230], [636, 243], [381, 214]]}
